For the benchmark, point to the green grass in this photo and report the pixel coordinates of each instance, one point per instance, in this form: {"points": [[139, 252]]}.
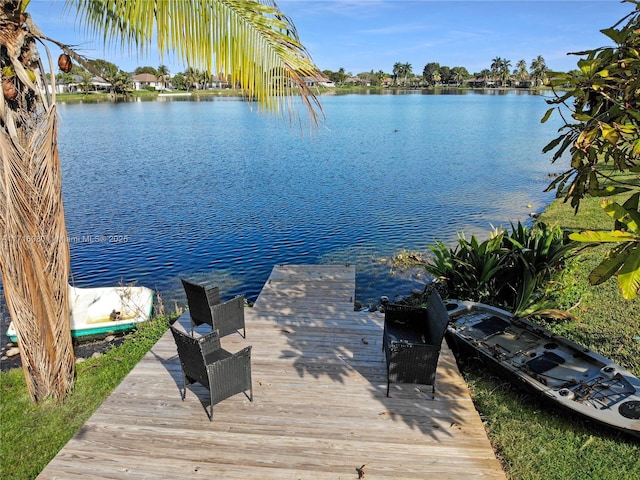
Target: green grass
{"points": [[535, 440], [32, 434]]}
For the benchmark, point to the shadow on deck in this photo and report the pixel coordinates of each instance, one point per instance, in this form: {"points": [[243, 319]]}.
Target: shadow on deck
{"points": [[320, 409]]}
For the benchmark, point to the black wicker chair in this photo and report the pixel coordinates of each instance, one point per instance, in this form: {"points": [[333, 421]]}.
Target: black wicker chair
{"points": [[204, 361], [411, 341], [205, 307]]}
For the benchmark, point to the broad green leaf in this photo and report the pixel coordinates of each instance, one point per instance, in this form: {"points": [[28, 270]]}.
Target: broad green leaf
{"points": [[610, 134], [590, 236], [613, 34], [608, 191], [551, 145], [559, 75], [547, 115], [635, 151], [629, 275], [621, 214], [628, 128], [632, 203], [587, 66], [610, 264], [582, 117]]}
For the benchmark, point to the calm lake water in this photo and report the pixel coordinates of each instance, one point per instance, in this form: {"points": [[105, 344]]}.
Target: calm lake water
{"points": [[211, 190]]}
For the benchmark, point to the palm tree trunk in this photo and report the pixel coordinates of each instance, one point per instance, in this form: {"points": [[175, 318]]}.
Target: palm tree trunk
{"points": [[34, 252]]}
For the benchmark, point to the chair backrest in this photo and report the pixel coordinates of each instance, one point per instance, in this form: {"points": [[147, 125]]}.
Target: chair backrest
{"points": [[192, 352], [406, 316], [438, 318], [200, 300]]}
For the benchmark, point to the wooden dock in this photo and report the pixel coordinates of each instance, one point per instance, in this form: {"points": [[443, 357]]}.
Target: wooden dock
{"points": [[319, 409]]}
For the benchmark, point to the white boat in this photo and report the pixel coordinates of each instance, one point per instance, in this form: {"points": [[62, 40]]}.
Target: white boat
{"points": [[564, 372], [102, 311]]}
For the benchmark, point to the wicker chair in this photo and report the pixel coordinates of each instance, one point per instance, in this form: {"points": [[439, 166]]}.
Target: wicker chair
{"points": [[204, 361], [205, 307], [411, 341]]}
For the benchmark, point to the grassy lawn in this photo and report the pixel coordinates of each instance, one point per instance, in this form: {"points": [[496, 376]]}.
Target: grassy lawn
{"points": [[31, 435], [538, 441]]}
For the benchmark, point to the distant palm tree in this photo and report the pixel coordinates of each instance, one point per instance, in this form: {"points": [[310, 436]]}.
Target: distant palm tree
{"points": [[538, 70], [496, 65], [436, 77], [485, 74], [504, 72], [398, 68], [521, 70], [459, 74], [163, 75], [253, 41]]}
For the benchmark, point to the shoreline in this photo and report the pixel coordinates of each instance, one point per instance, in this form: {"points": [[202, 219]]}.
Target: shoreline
{"points": [[145, 95]]}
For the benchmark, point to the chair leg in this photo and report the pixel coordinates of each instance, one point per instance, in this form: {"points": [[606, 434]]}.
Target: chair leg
{"points": [[388, 388], [210, 414], [183, 392]]}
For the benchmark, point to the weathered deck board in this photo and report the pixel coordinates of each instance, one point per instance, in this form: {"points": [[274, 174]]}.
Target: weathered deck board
{"points": [[319, 408]]}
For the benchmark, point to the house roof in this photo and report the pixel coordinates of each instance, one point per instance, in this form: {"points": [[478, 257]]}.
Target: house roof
{"points": [[145, 77]]}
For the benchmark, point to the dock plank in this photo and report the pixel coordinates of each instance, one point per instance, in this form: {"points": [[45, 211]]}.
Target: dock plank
{"points": [[319, 410]]}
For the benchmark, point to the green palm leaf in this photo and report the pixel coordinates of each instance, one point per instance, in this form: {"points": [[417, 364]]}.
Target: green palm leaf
{"points": [[251, 42]]}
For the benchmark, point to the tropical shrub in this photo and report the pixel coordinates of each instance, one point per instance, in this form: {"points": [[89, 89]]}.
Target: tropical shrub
{"points": [[510, 269]]}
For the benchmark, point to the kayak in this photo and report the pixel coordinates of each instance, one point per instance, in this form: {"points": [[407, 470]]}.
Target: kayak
{"points": [[560, 370]]}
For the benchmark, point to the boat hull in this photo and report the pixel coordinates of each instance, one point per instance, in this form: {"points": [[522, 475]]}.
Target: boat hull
{"points": [[102, 311], [563, 372]]}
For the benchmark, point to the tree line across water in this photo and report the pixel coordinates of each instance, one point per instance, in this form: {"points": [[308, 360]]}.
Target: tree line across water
{"points": [[500, 73]]}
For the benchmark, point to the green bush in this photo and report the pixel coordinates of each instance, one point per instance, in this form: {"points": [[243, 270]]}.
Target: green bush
{"points": [[510, 269]]}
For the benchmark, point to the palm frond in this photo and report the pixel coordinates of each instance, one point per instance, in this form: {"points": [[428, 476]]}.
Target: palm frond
{"points": [[251, 42]]}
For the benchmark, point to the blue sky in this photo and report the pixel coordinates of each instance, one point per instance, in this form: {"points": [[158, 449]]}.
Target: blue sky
{"points": [[364, 35]]}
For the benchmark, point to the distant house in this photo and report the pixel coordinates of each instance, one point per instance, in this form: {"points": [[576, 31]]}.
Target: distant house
{"points": [[76, 84], [522, 83], [318, 81], [143, 81], [357, 81], [481, 82]]}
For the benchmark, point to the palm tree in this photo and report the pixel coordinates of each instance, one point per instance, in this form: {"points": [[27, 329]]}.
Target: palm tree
{"points": [[538, 70], [436, 77], [407, 70], [505, 71], [521, 72], [253, 42], [398, 68], [163, 75], [496, 65]]}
